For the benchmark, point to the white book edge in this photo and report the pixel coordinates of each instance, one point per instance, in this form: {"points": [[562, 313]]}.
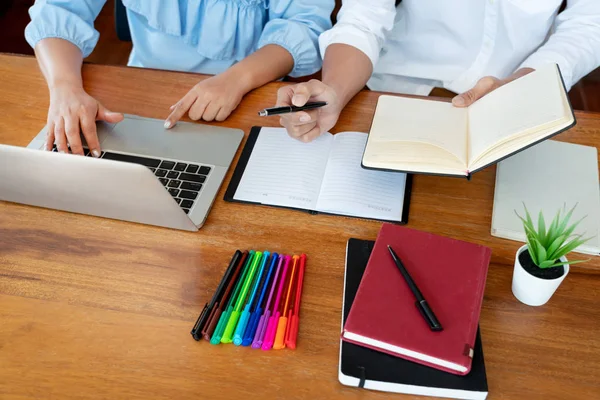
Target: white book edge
{"points": [[403, 351]]}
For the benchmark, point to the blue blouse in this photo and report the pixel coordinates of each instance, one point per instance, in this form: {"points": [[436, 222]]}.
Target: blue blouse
{"points": [[205, 36]]}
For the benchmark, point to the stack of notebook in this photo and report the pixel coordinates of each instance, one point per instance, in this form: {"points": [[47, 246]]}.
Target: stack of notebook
{"points": [[386, 343]]}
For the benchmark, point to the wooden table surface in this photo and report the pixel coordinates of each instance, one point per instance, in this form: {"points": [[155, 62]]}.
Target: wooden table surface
{"points": [[95, 308]]}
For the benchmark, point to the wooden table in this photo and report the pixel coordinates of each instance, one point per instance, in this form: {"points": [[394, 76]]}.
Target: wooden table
{"points": [[95, 308]]}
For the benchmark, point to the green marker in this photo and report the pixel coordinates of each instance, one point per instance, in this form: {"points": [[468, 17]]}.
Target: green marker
{"points": [[218, 333], [235, 314]]}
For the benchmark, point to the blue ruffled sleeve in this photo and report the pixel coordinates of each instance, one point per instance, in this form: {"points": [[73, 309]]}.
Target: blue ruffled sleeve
{"points": [[296, 25], [72, 20]]}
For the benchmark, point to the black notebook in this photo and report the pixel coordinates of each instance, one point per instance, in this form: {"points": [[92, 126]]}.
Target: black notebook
{"points": [[323, 176], [369, 369]]}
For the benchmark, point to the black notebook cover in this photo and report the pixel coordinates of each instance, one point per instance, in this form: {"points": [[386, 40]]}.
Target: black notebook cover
{"points": [[243, 162], [380, 371]]}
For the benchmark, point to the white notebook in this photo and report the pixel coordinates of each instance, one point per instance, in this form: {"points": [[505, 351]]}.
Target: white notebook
{"points": [[322, 176], [434, 137], [546, 177]]}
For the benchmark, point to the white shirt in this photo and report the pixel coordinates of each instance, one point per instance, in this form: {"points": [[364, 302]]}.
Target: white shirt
{"points": [[453, 43]]}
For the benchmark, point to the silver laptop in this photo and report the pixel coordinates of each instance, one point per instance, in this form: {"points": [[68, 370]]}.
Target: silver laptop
{"points": [[146, 174]]}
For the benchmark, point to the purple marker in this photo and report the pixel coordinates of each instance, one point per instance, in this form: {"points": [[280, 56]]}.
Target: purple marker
{"points": [[274, 318], [262, 323]]}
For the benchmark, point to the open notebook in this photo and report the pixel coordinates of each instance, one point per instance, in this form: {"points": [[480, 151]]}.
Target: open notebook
{"points": [[324, 176], [434, 137]]}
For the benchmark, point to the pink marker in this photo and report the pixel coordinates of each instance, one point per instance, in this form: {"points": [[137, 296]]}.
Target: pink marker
{"points": [[272, 325], [264, 318]]}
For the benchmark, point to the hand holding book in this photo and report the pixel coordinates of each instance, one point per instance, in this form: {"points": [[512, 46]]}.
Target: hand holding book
{"points": [[486, 85]]}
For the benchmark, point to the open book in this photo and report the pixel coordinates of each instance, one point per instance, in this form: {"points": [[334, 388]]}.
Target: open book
{"points": [[321, 176], [434, 137]]}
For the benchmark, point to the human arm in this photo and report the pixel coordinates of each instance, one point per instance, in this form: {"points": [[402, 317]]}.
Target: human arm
{"points": [[350, 49], [216, 97], [288, 45], [62, 34], [71, 110], [346, 70]]}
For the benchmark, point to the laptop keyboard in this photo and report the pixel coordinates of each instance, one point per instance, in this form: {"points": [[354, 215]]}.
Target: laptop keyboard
{"points": [[182, 180]]}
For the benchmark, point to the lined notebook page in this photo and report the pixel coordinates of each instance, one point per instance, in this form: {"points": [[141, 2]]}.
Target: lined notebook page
{"points": [[283, 171], [351, 190]]}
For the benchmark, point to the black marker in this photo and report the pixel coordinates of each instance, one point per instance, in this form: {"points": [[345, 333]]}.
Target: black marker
{"points": [[216, 297]]}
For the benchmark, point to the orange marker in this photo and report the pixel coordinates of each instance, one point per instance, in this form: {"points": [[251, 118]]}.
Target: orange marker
{"points": [[291, 332], [282, 323]]}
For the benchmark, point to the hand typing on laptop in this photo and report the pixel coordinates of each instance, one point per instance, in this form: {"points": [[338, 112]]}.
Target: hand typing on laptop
{"points": [[72, 110]]}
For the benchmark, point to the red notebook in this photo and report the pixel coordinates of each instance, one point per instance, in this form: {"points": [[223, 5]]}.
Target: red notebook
{"points": [[451, 276]]}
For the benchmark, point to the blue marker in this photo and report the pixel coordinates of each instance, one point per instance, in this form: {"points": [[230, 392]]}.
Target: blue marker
{"points": [[241, 325], [256, 308]]}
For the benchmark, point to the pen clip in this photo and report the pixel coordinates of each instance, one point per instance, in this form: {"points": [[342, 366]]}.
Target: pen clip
{"points": [[429, 317]]}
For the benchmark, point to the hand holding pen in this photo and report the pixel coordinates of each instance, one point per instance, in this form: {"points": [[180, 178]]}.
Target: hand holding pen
{"points": [[307, 125]]}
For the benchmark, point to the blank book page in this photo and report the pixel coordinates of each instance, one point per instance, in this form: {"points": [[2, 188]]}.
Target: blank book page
{"points": [[283, 171]]}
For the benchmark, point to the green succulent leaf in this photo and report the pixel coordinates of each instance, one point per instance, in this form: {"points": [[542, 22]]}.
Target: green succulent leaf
{"points": [[553, 229], [549, 243], [555, 245], [540, 250], [558, 264], [570, 229], [565, 220], [546, 264], [527, 225], [541, 229], [567, 248], [531, 250], [528, 216]]}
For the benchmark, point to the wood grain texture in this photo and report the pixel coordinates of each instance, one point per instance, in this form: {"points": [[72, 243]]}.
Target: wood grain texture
{"points": [[92, 308]]}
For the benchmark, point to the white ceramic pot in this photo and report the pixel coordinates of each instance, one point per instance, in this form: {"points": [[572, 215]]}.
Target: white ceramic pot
{"points": [[530, 289]]}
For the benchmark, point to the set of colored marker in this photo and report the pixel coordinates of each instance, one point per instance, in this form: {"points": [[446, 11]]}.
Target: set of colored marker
{"points": [[257, 302]]}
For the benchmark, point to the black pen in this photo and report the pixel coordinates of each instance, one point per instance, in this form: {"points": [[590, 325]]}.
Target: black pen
{"points": [[421, 303], [290, 109], [218, 293]]}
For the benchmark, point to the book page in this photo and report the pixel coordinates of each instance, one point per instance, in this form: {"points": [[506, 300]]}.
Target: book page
{"points": [[349, 189], [437, 123], [415, 157], [283, 171], [532, 101]]}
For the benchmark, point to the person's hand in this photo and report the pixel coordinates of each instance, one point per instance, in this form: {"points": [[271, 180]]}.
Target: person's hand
{"points": [[71, 112], [211, 99], [484, 86], [310, 124]]}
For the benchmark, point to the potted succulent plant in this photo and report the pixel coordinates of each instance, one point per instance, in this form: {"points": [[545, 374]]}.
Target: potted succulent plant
{"points": [[541, 265]]}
